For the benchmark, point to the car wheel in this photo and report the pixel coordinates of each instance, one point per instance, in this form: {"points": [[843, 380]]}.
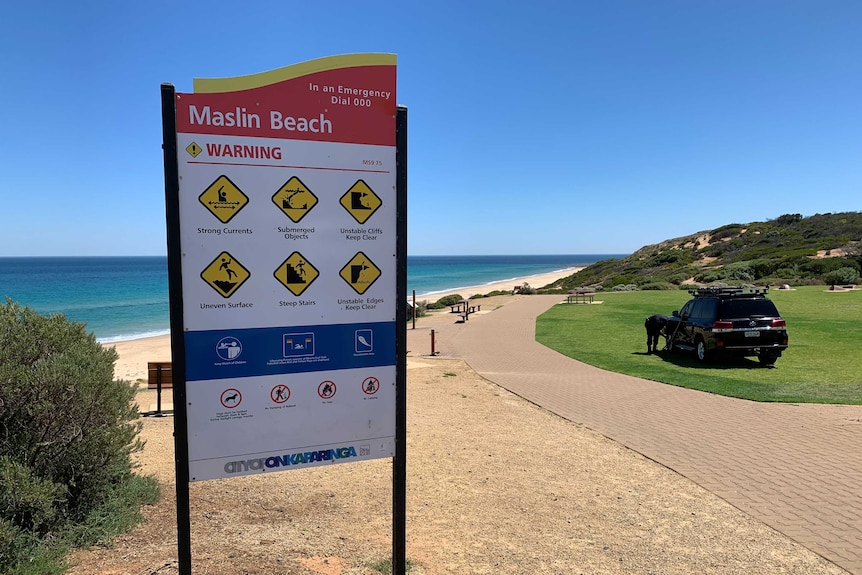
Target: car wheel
{"points": [[700, 350], [767, 357]]}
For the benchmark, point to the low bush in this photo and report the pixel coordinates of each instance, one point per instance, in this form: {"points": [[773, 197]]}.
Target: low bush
{"points": [[68, 432], [842, 276], [421, 309], [656, 285], [498, 292], [448, 300]]}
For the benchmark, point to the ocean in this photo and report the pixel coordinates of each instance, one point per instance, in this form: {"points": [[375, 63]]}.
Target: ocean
{"points": [[122, 298]]}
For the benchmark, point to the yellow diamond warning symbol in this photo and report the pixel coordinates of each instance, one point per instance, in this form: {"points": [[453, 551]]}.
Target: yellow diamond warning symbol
{"points": [[294, 199], [296, 273], [360, 272], [225, 274], [223, 199], [193, 149], [361, 201]]}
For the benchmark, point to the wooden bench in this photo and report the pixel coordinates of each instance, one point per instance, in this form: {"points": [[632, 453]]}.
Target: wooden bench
{"points": [[159, 377], [159, 372]]}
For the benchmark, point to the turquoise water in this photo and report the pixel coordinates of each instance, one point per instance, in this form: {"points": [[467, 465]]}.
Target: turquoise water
{"points": [[117, 297], [127, 297]]}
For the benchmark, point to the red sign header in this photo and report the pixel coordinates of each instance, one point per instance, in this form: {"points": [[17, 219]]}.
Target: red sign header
{"points": [[347, 99]]}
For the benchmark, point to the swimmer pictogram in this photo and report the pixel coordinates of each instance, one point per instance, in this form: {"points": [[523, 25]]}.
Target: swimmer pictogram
{"points": [[223, 199]]}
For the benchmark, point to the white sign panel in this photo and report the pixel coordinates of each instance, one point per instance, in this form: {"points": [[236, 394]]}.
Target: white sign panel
{"points": [[288, 239]]}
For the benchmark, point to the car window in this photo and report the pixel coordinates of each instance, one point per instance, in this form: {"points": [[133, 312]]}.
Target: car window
{"points": [[708, 309], [735, 308], [685, 312], [696, 309]]}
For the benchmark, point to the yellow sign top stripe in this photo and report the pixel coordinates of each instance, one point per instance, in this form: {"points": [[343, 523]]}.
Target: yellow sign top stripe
{"points": [[220, 85]]}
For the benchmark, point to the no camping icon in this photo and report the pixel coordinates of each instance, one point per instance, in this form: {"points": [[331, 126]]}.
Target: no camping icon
{"points": [[280, 393]]}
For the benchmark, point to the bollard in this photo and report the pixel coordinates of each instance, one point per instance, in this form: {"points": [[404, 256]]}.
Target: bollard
{"points": [[432, 343]]}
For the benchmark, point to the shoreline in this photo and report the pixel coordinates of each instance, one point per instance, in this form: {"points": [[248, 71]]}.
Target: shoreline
{"points": [[134, 354], [535, 280]]}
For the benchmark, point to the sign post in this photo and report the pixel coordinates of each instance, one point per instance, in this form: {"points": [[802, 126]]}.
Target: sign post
{"points": [[286, 213]]}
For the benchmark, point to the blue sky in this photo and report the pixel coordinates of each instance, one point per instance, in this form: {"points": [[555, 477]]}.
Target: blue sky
{"points": [[540, 127]]}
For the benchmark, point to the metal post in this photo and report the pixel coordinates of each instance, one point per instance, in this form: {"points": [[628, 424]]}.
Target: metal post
{"points": [[178, 350], [432, 343], [399, 462], [159, 391]]}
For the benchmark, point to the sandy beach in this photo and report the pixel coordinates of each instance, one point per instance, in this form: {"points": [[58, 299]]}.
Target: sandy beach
{"points": [[134, 354]]}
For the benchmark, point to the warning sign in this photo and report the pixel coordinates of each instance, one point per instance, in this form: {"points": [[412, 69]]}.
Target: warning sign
{"points": [[223, 198], [294, 199], [360, 272], [361, 201], [296, 273], [193, 149], [225, 274]]}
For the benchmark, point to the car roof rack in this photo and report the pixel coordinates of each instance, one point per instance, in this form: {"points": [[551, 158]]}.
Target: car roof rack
{"points": [[728, 291]]}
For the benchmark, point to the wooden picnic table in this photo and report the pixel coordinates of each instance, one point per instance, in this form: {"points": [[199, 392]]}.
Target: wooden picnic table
{"points": [[464, 309], [580, 297]]}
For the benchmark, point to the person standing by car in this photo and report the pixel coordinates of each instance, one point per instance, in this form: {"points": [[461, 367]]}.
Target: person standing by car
{"points": [[655, 326]]}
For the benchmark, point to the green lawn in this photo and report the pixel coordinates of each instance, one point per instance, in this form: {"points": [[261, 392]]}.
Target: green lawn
{"points": [[822, 365]]}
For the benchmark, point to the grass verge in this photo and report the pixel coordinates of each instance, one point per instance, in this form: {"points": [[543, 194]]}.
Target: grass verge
{"points": [[822, 364]]}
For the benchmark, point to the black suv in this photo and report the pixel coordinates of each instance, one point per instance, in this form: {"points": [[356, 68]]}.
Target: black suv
{"points": [[734, 321]]}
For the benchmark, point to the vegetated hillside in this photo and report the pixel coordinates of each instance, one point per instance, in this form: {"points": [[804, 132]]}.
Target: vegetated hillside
{"points": [[791, 249]]}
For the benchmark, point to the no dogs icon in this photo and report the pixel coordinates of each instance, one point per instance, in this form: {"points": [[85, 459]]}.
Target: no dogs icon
{"points": [[231, 398]]}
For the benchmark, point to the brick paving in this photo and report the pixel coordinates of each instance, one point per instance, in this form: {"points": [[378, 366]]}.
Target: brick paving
{"points": [[796, 467]]}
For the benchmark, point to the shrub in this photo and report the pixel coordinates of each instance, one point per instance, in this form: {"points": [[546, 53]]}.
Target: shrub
{"points": [[421, 308], [68, 429], [658, 285], [498, 292], [527, 289], [738, 271], [842, 276], [449, 300]]}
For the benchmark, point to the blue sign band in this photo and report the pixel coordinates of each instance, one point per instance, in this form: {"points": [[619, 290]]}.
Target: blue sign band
{"points": [[220, 354]]}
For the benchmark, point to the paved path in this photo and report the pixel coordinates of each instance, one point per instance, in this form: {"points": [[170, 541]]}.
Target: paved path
{"points": [[797, 468]]}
